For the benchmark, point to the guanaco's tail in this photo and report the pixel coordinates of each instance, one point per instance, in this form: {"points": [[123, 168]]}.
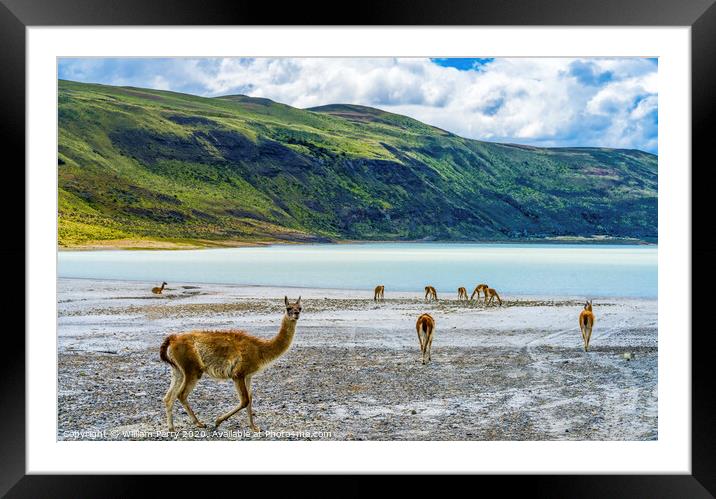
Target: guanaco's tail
{"points": [[425, 326], [588, 321], [163, 350]]}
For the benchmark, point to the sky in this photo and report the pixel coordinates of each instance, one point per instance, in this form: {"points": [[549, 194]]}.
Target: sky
{"points": [[551, 102]]}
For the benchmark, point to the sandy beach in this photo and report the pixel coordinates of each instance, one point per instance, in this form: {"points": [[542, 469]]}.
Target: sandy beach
{"points": [[516, 372]]}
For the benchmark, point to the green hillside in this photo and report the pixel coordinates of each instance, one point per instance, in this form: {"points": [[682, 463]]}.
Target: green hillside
{"points": [[137, 164]]}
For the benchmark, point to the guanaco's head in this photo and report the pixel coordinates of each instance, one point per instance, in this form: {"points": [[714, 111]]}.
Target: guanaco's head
{"points": [[588, 305], [293, 310], [164, 283]]}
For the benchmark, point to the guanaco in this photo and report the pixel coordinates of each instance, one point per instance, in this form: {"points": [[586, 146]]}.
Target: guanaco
{"points": [[425, 327], [492, 294], [231, 354], [478, 288], [461, 293], [586, 322], [430, 293], [379, 293], [157, 290]]}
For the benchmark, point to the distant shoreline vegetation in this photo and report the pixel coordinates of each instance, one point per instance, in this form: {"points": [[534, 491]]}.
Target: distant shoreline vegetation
{"points": [[149, 169], [157, 245]]}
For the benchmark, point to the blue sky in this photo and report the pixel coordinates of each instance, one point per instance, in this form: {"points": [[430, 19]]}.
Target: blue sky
{"points": [[463, 63], [603, 102]]}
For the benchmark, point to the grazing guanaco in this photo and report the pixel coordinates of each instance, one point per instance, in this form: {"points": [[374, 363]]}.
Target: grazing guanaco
{"points": [[379, 293], [425, 327], [231, 354], [158, 290], [586, 322], [430, 293], [478, 288], [461, 293], [492, 294]]}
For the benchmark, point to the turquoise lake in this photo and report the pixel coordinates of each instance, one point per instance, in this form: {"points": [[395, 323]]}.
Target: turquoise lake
{"points": [[582, 270]]}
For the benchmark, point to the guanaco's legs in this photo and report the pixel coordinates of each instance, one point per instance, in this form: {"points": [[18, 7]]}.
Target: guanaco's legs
{"points": [[244, 398], [588, 337], [243, 388], [171, 395], [248, 408], [420, 340], [190, 379], [425, 345]]}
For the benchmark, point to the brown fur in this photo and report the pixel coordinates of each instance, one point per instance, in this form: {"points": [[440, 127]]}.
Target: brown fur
{"points": [[425, 327], [586, 323], [461, 293], [163, 350], [492, 294], [430, 293], [379, 293], [478, 288], [232, 354], [158, 290]]}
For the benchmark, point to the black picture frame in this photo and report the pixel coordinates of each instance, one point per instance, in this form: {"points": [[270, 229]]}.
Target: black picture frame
{"points": [[700, 15]]}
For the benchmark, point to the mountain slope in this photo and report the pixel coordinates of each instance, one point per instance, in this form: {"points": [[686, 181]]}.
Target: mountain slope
{"points": [[136, 163]]}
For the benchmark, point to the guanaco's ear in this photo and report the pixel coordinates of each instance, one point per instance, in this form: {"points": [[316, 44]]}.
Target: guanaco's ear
{"points": [[285, 300], [298, 302]]}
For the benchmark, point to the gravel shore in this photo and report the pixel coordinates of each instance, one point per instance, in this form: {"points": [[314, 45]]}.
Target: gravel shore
{"points": [[516, 372]]}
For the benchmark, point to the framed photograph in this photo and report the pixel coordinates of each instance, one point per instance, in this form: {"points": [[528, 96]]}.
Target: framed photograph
{"points": [[334, 249]]}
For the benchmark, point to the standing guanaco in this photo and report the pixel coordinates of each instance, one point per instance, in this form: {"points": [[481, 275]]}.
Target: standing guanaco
{"points": [[379, 293], [232, 354], [157, 290], [425, 327], [478, 288], [461, 293], [586, 322], [492, 294], [430, 293]]}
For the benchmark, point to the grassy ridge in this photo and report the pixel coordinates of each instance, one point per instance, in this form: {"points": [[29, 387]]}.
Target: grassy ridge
{"points": [[147, 164]]}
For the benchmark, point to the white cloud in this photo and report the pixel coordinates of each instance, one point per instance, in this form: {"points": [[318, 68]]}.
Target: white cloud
{"points": [[542, 101]]}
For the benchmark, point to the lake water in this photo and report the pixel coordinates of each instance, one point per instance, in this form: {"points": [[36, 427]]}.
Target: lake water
{"points": [[516, 269]]}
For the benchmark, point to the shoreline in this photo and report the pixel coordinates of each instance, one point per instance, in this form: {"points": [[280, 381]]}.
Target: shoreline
{"points": [[400, 294], [197, 244], [160, 245]]}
